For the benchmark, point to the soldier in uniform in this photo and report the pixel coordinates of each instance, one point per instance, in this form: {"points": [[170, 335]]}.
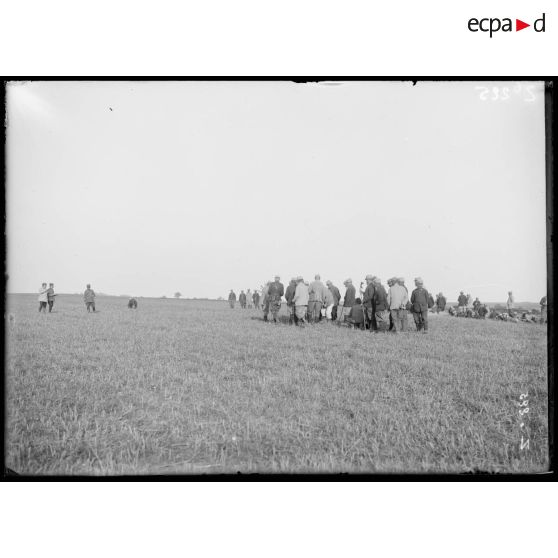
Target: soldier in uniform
{"points": [[256, 298], [89, 298], [381, 307], [289, 295], [249, 298], [368, 301], [420, 305], [232, 298], [242, 299], [336, 299], [300, 301], [440, 303], [274, 293]]}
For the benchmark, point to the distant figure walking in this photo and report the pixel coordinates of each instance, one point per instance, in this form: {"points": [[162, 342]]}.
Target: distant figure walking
{"points": [[232, 298], [256, 298], [249, 300], [43, 298], [544, 307], [133, 303], [242, 299], [510, 303], [89, 298], [50, 296]]}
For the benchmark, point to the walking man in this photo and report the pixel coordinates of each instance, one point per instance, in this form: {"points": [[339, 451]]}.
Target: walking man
{"points": [[242, 299], [256, 297], [274, 293], [50, 297], [89, 298], [43, 298], [300, 301], [419, 301], [397, 300], [249, 298], [232, 298]]}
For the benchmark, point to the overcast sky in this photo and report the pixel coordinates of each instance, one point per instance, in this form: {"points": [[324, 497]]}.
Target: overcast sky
{"points": [[147, 188]]}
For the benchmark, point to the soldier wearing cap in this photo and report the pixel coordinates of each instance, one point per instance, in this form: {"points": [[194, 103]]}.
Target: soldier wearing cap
{"points": [[274, 293], [420, 304], [232, 299], [397, 300], [350, 295], [289, 295], [300, 300], [381, 307], [368, 301], [316, 291]]}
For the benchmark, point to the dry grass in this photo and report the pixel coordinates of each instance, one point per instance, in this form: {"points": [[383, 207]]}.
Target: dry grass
{"points": [[195, 387]]}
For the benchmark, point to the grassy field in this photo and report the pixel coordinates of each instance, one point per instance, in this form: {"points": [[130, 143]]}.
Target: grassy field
{"points": [[195, 387]]}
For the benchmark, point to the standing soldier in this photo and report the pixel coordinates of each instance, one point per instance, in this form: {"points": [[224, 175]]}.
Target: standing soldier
{"points": [[462, 303], [242, 299], [289, 296], [420, 305], [381, 307], [316, 291], [336, 299], [350, 296], [544, 307], [50, 296], [391, 281], [89, 298], [440, 303], [401, 282], [368, 301], [274, 294], [249, 298], [328, 303], [300, 301], [232, 298], [397, 300], [43, 298], [256, 298]]}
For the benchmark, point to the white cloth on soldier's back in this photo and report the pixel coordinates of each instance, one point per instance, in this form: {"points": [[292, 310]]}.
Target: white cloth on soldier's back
{"points": [[301, 295], [397, 297]]}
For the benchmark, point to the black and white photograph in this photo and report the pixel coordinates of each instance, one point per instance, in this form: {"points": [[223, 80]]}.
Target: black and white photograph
{"points": [[281, 277]]}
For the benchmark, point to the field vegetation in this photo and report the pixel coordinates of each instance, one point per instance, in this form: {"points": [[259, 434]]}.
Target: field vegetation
{"points": [[181, 386]]}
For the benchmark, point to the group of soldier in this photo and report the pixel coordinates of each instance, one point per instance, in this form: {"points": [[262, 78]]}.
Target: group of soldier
{"points": [[377, 308]]}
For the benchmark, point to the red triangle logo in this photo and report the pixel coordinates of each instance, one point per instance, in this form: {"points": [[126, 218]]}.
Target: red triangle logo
{"points": [[519, 25]]}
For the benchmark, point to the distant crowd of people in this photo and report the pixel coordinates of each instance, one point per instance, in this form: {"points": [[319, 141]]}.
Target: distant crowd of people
{"points": [[376, 308]]}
